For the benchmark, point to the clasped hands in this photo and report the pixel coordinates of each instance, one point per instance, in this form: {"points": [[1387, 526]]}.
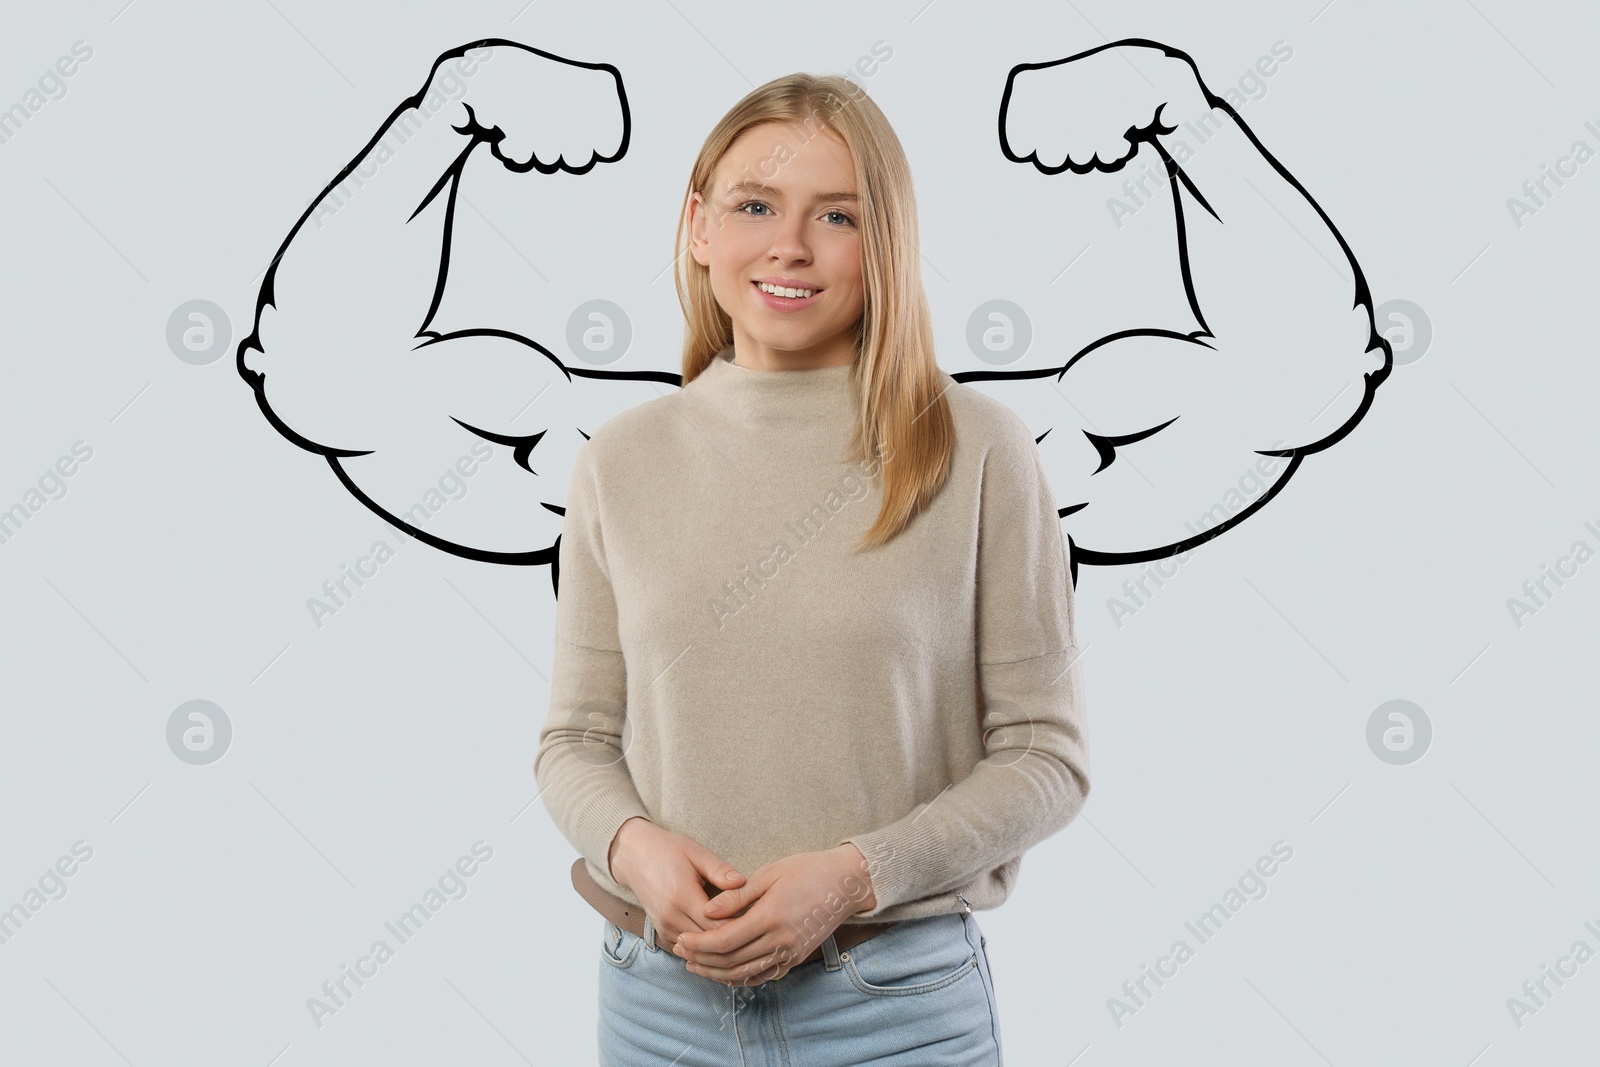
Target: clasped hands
{"points": [[757, 931]]}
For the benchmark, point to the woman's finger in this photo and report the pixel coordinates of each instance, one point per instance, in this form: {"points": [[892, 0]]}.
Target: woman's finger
{"points": [[763, 968]]}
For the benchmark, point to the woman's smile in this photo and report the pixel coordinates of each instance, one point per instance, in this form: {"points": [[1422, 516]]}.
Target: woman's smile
{"points": [[786, 303]]}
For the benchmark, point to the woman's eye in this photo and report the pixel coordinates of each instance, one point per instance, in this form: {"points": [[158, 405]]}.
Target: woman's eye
{"points": [[842, 218]]}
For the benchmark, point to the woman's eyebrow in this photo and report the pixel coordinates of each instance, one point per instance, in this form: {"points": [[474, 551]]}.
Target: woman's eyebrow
{"points": [[768, 190]]}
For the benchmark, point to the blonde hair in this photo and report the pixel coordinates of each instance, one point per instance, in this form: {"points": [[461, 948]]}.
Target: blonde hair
{"points": [[902, 414]]}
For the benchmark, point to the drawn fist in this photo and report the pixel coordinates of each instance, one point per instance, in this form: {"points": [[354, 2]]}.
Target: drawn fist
{"points": [[1089, 111], [538, 110]]}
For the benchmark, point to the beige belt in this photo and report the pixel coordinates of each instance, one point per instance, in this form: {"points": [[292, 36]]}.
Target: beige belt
{"points": [[631, 917]]}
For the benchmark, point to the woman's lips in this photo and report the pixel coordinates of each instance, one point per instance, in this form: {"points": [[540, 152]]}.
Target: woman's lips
{"points": [[786, 303]]}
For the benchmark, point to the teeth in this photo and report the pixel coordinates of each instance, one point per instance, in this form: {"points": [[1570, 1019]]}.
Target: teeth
{"points": [[778, 290]]}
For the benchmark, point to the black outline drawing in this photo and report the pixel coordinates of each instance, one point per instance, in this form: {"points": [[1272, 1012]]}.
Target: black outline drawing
{"points": [[1176, 177], [522, 445]]}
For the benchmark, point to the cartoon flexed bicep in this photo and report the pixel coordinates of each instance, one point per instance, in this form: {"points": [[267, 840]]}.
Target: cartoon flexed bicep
{"points": [[345, 358], [1163, 436]]}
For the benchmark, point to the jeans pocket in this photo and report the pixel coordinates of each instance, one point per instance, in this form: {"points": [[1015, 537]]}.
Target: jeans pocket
{"points": [[620, 948], [913, 957]]}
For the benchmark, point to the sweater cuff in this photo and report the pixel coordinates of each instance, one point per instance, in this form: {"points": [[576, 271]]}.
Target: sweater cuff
{"points": [[604, 820], [894, 860]]}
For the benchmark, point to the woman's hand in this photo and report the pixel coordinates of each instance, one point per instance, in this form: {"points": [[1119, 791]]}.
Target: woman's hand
{"points": [[785, 910], [669, 873]]}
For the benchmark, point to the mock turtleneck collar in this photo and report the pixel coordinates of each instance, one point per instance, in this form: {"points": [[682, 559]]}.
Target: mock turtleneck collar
{"points": [[823, 397]]}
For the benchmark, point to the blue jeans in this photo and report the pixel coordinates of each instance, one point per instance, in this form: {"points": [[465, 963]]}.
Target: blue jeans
{"points": [[919, 994]]}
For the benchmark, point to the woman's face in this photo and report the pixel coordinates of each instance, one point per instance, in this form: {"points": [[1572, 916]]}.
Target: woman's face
{"points": [[782, 208]]}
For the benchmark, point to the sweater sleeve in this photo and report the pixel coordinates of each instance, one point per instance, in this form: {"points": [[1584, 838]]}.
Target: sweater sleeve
{"points": [[580, 766], [1034, 774]]}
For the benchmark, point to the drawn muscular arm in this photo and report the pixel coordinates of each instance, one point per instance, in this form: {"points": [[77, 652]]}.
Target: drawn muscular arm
{"points": [[360, 275], [380, 227], [1281, 356], [346, 359]]}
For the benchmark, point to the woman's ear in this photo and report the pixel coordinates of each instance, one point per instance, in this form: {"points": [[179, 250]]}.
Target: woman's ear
{"points": [[697, 228]]}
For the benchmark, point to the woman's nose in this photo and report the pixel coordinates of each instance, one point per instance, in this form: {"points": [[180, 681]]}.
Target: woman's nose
{"points": [[790, 243]]}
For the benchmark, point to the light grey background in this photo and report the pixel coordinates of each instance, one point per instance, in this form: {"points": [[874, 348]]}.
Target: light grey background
{"points": [[369, 754]]}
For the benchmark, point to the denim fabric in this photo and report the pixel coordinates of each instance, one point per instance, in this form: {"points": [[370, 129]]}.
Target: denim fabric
{"points": [[919, 994]]}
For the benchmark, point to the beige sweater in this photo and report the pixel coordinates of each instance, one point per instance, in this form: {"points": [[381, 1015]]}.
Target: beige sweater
{"points": [[725, 667]]}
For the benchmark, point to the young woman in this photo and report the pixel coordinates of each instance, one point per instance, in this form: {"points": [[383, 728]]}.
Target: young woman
{"points": [[815, 684]]}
